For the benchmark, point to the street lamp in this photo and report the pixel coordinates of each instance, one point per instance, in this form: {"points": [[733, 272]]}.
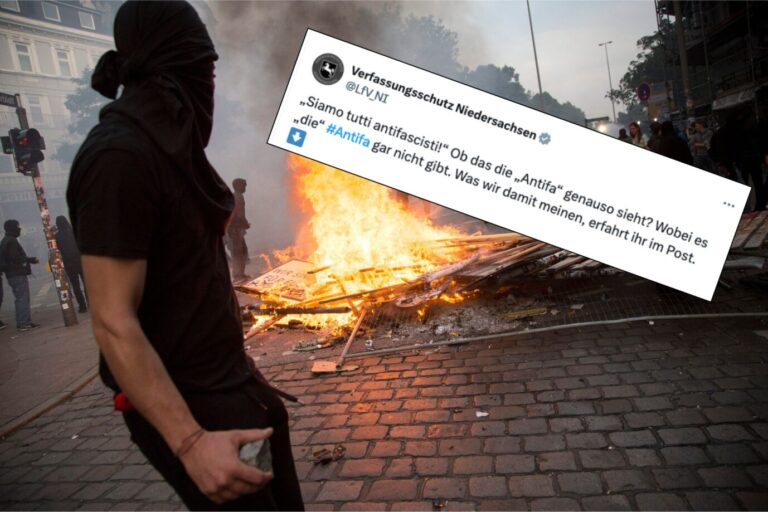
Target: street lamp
{"points": [[535, 56], [610, 82]]}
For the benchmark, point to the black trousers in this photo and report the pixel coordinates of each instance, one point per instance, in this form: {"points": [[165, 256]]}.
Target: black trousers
{"points": [[252, 405], [74, 280]]}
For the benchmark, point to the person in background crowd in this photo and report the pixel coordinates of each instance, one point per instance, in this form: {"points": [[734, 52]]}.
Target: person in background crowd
{"points": [[16, 265], [238, 225], [149, 213], [623, 135], [655, 139], [672, 146], [636, 135], [699, 144], [70, 256], [747, 154], [721, 148], [2, 324]]}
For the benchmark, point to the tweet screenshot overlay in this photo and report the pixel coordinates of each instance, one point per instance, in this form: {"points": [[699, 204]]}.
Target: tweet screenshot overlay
{"points": [[507, 164]]}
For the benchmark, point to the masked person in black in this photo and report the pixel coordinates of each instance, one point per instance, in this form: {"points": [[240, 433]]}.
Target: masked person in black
{"points": [[16, 265], [149, 212], [70, 256]]}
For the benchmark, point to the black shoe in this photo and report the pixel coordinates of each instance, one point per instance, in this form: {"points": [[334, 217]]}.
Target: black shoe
{"points": [[2, 325], [28, 327], [82, 309]]}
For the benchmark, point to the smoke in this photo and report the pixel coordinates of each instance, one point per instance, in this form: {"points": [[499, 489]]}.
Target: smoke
{"points": [[258, 43]]}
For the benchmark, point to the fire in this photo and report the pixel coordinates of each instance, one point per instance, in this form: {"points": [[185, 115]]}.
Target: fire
{"points": [[358, 235]]}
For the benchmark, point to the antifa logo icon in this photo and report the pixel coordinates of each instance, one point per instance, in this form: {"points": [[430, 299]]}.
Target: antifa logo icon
{"points": [[328, 69]]}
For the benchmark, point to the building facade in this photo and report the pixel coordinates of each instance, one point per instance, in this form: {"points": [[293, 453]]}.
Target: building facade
{"points": [[45, 46], [726, 48]]}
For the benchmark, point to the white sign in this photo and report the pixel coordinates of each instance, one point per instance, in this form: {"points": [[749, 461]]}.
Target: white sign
{"points": [[511, 165]]}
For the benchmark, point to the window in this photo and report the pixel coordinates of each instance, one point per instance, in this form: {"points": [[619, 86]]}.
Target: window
{"points": [[35, 109], [25, 58], [86, 20], [65, 68], [51, 12], [11, 5]]}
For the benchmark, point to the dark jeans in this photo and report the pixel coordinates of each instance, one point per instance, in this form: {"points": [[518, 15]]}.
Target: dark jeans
{"points": [[20, 287], [239, 254], [252, 405]]}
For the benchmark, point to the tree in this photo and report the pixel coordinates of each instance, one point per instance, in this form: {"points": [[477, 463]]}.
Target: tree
{"points": [[651, 65], [84, 105]]}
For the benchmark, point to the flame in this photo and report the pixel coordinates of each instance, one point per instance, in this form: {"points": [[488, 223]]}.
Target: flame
{"points": [[364, 236]]}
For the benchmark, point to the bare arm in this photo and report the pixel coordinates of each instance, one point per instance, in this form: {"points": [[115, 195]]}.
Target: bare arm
{"points": [[115, 288]]}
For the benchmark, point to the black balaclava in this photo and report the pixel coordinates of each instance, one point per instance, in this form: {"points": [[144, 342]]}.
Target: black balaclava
{"points": [[63, 225], [164, 60], [12, 228]]}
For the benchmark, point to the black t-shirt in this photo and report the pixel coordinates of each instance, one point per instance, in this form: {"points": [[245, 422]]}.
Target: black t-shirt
{"points": [[127, 200]]}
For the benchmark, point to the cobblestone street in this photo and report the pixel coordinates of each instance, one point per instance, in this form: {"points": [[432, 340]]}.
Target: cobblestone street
{"points": [[624, 416]]}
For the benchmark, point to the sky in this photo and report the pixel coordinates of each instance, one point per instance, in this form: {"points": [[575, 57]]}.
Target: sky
{"points": [[572, 65]]}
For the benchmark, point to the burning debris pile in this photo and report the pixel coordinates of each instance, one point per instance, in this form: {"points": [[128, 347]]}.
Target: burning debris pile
{"points": [[366, 256]]}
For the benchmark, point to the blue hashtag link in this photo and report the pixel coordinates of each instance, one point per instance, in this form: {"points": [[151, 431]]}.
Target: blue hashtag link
{"points": [[331, 129]]}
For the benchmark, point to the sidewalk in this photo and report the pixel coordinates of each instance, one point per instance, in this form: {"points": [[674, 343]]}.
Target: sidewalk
{"points": [[41, 367], [632, 416]]}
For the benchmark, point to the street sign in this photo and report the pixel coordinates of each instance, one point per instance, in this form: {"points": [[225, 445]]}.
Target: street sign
{"points": [[9, 100], [644, 91]]}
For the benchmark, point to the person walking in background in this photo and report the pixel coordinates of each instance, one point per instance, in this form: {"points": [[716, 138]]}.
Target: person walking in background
{"points": [[655, 139], [699, 144], [238, 225], [672, 146], [16, 265], [636, 135], [2, 324], [623, 136], [70, 256]]}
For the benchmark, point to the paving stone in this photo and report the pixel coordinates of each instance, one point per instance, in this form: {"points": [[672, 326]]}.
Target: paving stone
{"points": [[684, 455], [543, 443], [560, 425], [620, 480], [606, 503], [727, 414], [502, 445], [619, 391], [602, 423], [487, 486], [710, 500], [660, 501], [476, 464], [392, 448], [362, 467], [556, 461], [515, 464], [575, 408], [643, 419], [675, 436], [390, 490], [760, 475], [124, 491], [675, 478], [488, 428], [555, 504], [614, 406], [729, 433], [157, 491], [633, 438], [431, 466], [531, 486], [753, 500], [732, 454], [681, 417], [642, 457], [723, 477], [527, 426], [453, 447], [592, 459], [345, 490], [580, 483], [446, 488], [586, 440]]}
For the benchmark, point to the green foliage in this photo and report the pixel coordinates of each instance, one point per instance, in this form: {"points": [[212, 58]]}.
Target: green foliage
{"points": [[652, 64], [84, 105]]}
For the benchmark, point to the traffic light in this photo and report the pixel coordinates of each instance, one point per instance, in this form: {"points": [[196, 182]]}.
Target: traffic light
{"points": [[27, 148]]}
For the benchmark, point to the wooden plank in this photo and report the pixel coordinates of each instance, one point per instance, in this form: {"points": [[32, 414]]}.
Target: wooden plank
{"points": [[566, 263], [757, 239], [745, 229]]}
